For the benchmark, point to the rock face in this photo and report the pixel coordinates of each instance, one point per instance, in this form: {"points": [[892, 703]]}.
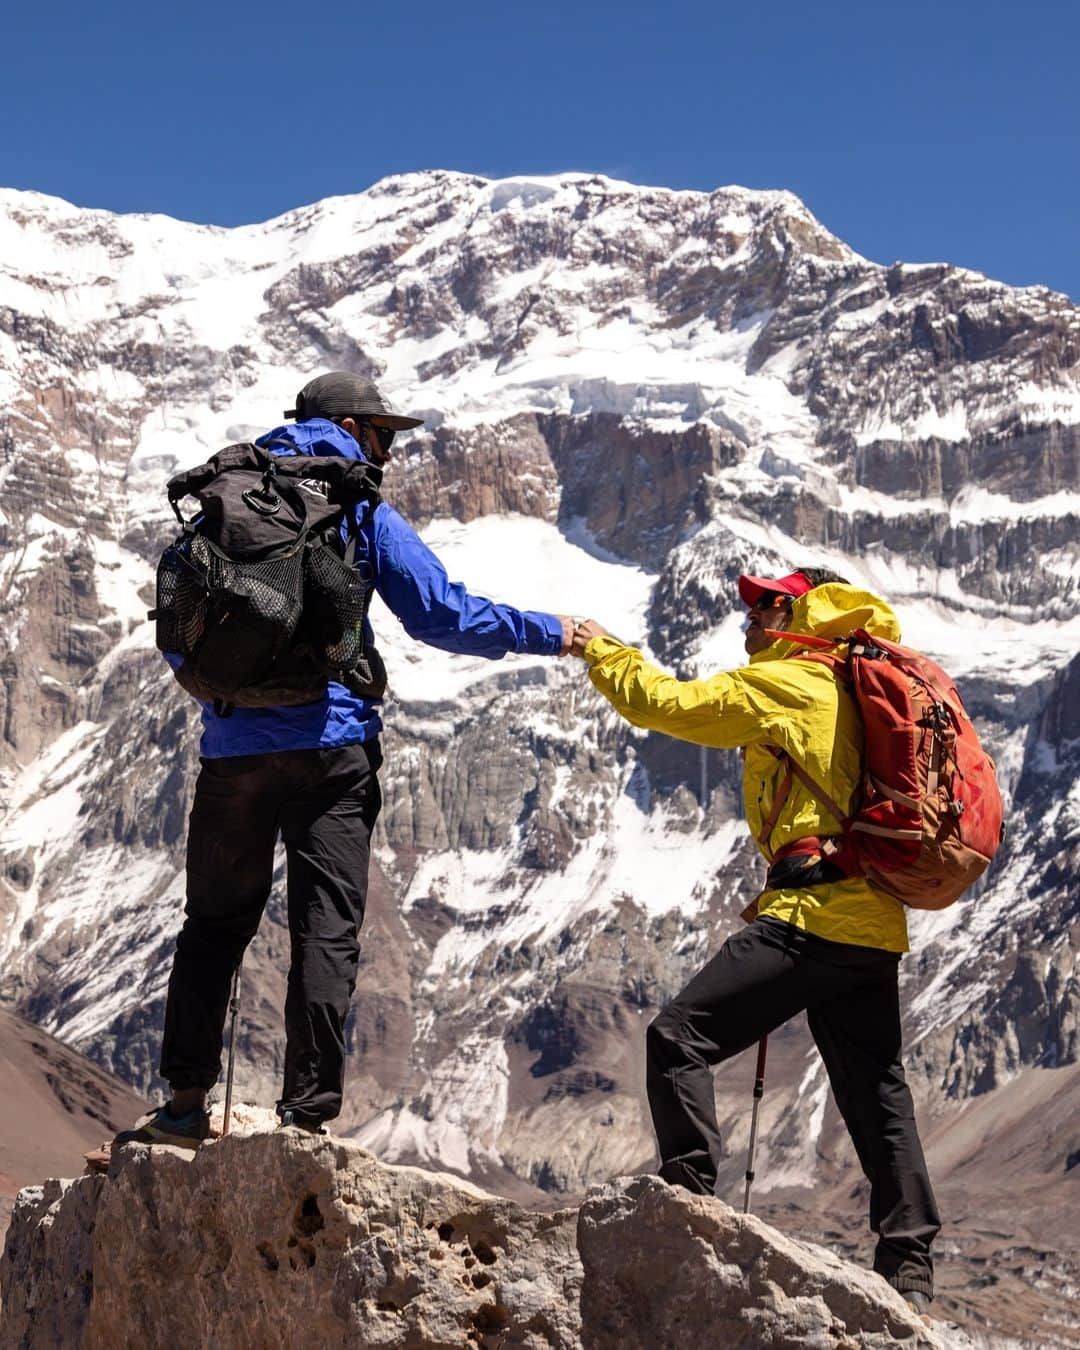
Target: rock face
{"points": [[279, 1238], [630, 396]]}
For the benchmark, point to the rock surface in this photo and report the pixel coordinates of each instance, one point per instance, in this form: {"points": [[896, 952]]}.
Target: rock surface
{"points": [[281, 1238], [664, 1268]]}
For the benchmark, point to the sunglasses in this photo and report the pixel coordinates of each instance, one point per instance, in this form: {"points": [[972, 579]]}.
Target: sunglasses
{"points": [[770, 600], [384, 435]]}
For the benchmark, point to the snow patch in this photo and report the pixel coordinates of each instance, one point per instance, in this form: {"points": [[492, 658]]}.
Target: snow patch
{"points": [[521, 561], [464, 1108]]}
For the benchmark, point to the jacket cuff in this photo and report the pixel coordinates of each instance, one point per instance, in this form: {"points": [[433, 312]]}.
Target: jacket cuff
{"points": [[599, 647], [551, 635]]}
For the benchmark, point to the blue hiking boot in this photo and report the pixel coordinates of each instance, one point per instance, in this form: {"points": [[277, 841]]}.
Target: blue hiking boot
{"points": [[162, 1127]]}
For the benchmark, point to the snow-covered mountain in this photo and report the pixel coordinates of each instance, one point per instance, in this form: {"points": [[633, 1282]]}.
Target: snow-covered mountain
{"points": [[630, 395]]}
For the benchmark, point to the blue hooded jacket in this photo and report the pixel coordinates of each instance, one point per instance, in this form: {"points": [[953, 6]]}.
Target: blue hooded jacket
{"points": [[414, 586]]}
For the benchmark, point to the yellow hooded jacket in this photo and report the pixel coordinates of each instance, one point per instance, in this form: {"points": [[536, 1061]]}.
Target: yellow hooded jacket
{"points": [[798, 706]]}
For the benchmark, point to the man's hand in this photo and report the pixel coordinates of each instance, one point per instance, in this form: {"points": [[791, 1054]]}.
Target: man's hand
{"points": [[567, 633], [584, 632]]}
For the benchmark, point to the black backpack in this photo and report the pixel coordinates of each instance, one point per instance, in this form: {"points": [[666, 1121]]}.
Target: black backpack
{"points": [[258, 594]]}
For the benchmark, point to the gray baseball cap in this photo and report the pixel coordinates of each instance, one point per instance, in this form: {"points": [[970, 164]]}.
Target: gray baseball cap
{"points": [[339, 394]]}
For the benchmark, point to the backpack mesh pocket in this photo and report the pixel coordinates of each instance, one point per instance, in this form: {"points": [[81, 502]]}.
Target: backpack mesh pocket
{"points": [[182, 602], [229, 620], [336, 600]]}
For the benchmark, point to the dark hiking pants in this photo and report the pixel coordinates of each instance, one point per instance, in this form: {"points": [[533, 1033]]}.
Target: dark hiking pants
{"points": [[324, 804], [759, 979]]}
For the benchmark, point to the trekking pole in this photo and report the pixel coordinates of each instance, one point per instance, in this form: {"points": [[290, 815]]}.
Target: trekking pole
{"points": [[234, 1018], [759, 1092]]}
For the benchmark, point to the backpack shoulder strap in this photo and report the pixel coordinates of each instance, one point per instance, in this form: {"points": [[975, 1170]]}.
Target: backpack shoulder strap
{"points": [[814, 788], [782, 794], [839, 666], [792, 770], [825, 655]]}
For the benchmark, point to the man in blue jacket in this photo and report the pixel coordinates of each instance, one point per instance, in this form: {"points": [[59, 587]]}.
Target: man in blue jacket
{"points": [[310, 773]]}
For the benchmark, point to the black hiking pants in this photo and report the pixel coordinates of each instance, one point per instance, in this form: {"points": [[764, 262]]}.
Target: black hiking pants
{"points": [[759, 979], [324, 804]]}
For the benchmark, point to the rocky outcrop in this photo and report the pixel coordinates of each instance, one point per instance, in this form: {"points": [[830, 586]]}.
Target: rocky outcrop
{"points": [[664, 1268], [283, 1238], [476, 471]]}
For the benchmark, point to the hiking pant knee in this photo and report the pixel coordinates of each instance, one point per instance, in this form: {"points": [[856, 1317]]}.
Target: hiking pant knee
{"points": [[737, 998], [325, 803], [679, 1084]]}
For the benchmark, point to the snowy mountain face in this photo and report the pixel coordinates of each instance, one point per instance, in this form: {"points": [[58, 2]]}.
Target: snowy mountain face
{"points": [[630, 396]]}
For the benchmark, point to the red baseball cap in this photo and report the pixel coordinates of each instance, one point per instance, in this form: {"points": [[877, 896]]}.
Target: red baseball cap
{"points": [[751, 589]]}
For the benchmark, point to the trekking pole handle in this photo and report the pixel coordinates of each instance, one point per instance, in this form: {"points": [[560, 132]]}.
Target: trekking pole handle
{"points": [[759, 1071]]}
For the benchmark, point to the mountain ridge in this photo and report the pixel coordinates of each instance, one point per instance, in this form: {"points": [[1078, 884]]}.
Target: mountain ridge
{"points": [[655, 393]]}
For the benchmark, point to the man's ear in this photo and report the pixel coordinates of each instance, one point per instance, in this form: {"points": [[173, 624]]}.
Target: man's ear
{"points": [[352, 426]]}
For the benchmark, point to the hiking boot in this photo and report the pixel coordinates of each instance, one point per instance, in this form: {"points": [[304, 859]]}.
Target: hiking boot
{"points": [[918, 1300], [295, 1120], [162, 1127]]}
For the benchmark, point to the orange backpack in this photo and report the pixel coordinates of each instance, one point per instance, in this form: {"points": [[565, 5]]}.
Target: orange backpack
{"points": [[928, 817]]}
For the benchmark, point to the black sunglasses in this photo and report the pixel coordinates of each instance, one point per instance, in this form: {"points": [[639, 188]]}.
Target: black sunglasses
{"points": [[384, 435], [770, 599]]}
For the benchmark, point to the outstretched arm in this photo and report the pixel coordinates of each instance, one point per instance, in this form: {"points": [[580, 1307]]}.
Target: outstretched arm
{"points": [[728, 710], [443, 613]]}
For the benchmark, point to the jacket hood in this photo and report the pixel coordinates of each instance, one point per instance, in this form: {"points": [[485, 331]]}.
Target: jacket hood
{"points": [[316, 436], [832, 611]]}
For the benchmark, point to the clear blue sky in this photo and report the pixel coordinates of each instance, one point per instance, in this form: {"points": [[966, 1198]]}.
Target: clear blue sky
{"points": [[921, 131]]}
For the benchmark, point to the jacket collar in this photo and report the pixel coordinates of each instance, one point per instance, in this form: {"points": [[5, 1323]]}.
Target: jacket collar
{"points": [[316, 436]]}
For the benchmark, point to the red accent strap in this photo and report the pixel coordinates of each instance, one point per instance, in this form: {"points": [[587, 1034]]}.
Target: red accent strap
{"points": [[799, 848], [778, 801]]}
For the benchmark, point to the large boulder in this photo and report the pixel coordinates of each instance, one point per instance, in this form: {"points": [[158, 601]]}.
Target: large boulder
{"points": [[667, 1268]]}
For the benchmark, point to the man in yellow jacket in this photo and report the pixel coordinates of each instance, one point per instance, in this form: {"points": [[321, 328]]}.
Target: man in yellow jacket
{"points": [[820, 941]]}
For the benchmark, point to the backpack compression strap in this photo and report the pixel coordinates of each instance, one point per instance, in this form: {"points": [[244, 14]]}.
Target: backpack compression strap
{"points": [[350, 481]]}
